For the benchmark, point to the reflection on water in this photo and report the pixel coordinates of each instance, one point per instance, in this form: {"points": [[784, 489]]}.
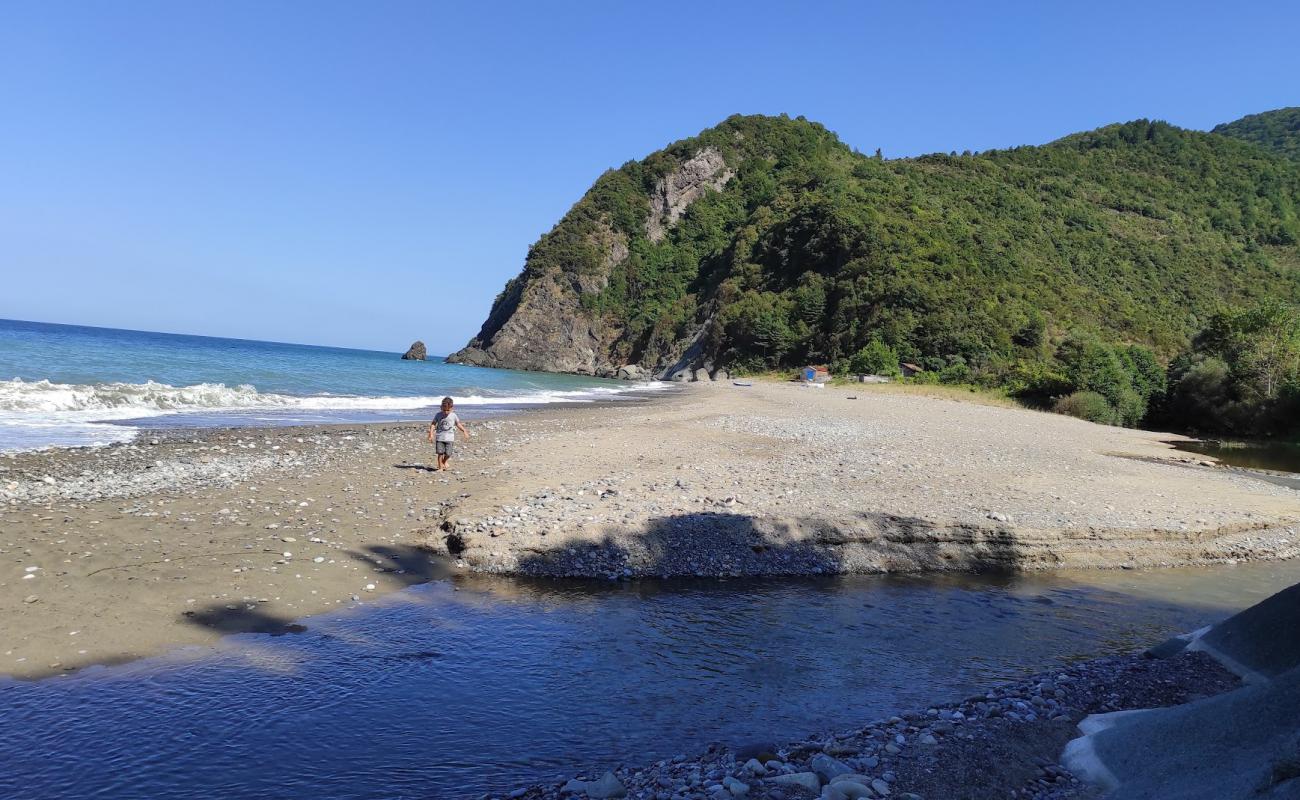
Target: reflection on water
{"points": [[457, 687], [1276, 456]]}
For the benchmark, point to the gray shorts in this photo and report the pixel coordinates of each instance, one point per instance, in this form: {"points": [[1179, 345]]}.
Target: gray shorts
{"points": [[444, 448]]}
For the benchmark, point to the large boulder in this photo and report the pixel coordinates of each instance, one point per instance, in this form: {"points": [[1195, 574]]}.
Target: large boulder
{"points": [[701, 375], [721, 374], [416, 352], [631, 372]]}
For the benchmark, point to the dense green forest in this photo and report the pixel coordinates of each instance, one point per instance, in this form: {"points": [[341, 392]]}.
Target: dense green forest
{"points": [[1095, 274], [1278, 131]]}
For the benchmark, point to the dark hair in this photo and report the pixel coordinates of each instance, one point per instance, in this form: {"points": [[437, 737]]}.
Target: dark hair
{"points": [[447, 401]]}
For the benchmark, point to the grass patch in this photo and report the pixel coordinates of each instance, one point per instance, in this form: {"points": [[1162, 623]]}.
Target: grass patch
{"points": [[962, 393]]}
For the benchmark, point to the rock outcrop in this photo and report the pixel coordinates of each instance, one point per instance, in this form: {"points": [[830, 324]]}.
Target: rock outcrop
{"points": [[546, 331], [545, 319], [674, 192], [415, 352]]}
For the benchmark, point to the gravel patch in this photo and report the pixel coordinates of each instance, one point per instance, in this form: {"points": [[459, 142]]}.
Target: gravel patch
{"points": [[1002, 743]]}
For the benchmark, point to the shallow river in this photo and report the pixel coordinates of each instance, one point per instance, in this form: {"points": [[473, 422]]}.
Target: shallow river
{"points": [[457, 687], [1278, 456]]}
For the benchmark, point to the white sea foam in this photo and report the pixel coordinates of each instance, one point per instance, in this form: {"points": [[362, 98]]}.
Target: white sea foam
{"points": [[41, 413]]}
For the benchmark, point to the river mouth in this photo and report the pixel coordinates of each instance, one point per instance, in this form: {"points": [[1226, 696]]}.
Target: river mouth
{"points": [[463, 686]]}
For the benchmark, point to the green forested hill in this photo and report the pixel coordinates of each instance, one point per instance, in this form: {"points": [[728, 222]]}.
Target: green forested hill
{"points": [[1278, 131], [978, 266]]}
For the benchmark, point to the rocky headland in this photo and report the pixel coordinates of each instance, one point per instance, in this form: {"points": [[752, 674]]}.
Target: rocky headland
{"points": [[766, 242]]}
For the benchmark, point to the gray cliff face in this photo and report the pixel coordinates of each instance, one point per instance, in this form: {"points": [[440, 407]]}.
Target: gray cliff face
{"points": [[540, 322], [547, 332], [677, 190]]}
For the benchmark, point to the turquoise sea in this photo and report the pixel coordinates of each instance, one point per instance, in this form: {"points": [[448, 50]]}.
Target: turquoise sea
{"points": [[71, 385]]}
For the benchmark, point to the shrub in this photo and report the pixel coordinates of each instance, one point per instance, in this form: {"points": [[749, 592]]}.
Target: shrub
{"points": [[1087, 405], [955, 373], [877, 358]]}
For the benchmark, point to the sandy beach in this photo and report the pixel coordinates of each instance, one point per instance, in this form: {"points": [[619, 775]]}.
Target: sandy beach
{"points": [[181, 536]]}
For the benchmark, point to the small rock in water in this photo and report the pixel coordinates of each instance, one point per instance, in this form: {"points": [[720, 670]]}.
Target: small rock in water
{"points": [[31, 598], [370, 587]]}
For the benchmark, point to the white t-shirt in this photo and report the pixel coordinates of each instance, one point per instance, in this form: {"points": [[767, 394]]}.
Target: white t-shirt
{"points": [[446, 426]]}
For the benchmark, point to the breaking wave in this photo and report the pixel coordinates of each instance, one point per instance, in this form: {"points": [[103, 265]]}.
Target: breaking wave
{"points": [[63, 413], [125, 400]]}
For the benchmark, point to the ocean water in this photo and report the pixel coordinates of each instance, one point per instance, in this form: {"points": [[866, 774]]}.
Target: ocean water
{"points": [[71, 385]]}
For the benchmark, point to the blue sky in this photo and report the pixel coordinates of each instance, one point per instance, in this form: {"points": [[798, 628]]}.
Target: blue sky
{"points": [[367, 173]]}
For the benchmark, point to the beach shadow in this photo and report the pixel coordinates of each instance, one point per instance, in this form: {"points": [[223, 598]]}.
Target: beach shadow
{"points": [[241, 619], [727, 544], [406, 564], [422, 467]]}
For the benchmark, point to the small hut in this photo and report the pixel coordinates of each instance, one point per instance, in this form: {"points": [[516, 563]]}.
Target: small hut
{"points": [[910, 370], [814, 374]]}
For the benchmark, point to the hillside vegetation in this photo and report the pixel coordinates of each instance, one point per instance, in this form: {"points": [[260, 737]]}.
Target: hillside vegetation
{"points": [[1276, 131], [1081, 266]]}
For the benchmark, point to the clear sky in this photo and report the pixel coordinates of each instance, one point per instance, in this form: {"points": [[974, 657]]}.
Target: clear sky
{"points": [[367, 173]]}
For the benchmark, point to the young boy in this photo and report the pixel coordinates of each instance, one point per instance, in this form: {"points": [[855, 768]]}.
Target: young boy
{"points": [[444, 426]]}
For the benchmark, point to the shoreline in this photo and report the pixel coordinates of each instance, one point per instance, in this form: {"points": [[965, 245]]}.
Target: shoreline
{"points": [[140, 547], [1005, 742]]}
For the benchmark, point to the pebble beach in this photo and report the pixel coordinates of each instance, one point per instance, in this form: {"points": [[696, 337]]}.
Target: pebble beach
{"points": [[184, 535]]}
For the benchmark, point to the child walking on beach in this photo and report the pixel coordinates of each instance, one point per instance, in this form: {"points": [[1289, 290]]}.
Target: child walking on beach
{"points": [[442, 432]]}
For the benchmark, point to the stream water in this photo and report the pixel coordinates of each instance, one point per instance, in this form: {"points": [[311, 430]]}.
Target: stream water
{"points": [[1275, 456], [458, 687]]}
